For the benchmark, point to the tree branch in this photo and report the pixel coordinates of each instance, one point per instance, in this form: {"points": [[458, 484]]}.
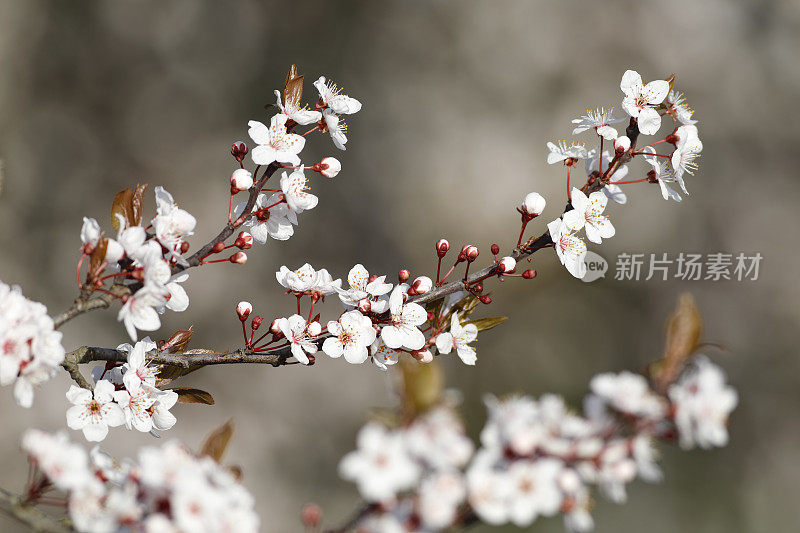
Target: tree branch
{"points": [[17, 508]]}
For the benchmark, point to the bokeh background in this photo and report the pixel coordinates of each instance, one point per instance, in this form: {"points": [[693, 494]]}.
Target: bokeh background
{"points": [[459, 101]]}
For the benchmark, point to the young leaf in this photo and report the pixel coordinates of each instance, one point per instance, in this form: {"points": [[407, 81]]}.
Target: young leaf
{"points": [[186, 395], [136, 204], [178, 342], [98, 254], [122, 206], [487, 323], [217, 441]]}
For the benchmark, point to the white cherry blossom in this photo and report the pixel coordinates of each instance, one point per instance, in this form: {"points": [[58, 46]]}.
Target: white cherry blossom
{"points": [[587, 214], [299, 335], [171, 223], [403, 331], [140, 310], [383, 356], [90, 231], [307, 280], [292, 109], [336, 127], [570, 249], [459, 338], [333, 97], [352, 335], [362, 288], [687, 149], [294, 187], [663, 174], [614, 192], [562, 151], [277, 222], [640, 100], [380, 466], [600, 120], [94, 411], [677, 107], [703, 403], [136, 370], [275, 143], [534, 490]]}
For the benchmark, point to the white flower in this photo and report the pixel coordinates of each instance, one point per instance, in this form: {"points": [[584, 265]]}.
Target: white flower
{"points": [[640, 99], [687, 149], [276, 222], [362, 288], [570, 249], [90, 231], [352, 335], [703, 403], [402, 331], [616, 469], [534, 490], [135, 370], [622, 144], [147, 408], [94, 411], [294, 187], [676, 106], [275, 143], [614, 192], [139, 311], [332, 96], [562, 152], [628, 393], [663, 175], [336, 127], [30, 348], [64, 463], [307, 280], [382, 355], [157, 273], [440, 495], [299, 336], [488, 489], [534, 204], [380, 466], [438, 440], [301, 115], [587, 213], [459, 338], [600, 120], [513, 423], [171, 224]]}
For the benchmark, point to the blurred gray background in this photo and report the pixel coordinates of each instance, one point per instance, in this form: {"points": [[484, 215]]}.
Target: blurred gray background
{"points": [[459, 101]]}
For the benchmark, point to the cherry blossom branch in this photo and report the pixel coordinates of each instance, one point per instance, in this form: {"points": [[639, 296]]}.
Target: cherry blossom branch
{"points": [[15, 507], [88, 354]]}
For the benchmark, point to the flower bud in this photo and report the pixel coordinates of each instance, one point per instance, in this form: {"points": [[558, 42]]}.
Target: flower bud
{"points": [[472, 253], [422, 285], [529, 274], [256, 322], [477, 288], [275, 329], [506, 264], [485, 299], [239, 150], [495, 249], [423, 356], [218, 247], [365, 306], [672, 138], [90, 232], [311, 515], [243, 310], [241, 180], [621, 144], [239, 258], [244, 241], [442, 246], [534, 204], [184, 247], [328, 167], [403, 275]]}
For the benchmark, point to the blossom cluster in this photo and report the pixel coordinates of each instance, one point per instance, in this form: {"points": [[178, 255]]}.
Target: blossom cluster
{"points": [[123, 395], [537, 458], [379, 322], [168, 489], [645, 106], [30, 349], [148, 257]]}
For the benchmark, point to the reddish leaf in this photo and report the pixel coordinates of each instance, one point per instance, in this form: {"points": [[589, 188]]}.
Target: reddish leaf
{"points": [[98, 255], [186, 395], [136, 203], [217, 441], [122, 206], [179, 340]]}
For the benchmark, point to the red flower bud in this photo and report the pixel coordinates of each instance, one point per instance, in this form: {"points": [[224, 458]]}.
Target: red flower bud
{"points": [[238, 258], [485, 299], [529, 274], [403, 275], [495, 249], [442, 246]]}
